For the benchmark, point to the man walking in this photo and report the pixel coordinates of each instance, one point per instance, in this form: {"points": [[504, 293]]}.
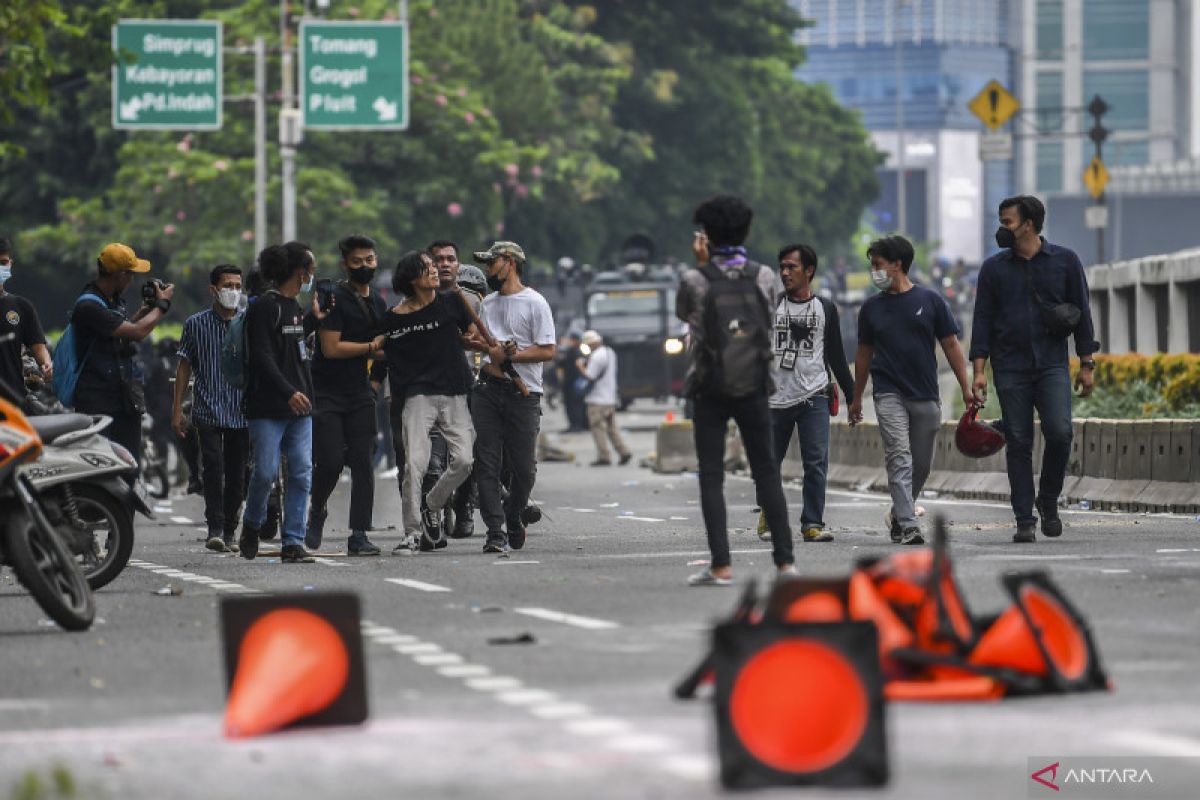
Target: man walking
{"points": [[344, 418], [19, 329], [599, 369], [726, 302], [105, 346], [279, 393], [507, 421], [1022, 322], [897, 333], [216, 409], [807, 346]]}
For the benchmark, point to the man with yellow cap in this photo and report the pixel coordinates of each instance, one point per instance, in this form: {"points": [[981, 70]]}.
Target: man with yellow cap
{"points": [[105, 337]]}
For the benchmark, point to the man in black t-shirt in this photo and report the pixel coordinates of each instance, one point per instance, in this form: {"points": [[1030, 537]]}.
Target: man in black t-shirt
{"points": [[19, 328], [344, 418]]}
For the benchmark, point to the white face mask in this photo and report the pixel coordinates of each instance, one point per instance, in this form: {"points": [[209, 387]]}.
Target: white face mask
{"points": [[229, 298], [882, 279]]}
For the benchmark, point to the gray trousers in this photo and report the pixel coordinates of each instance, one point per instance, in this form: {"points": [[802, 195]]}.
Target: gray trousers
{"points": [[422, 413], [909, 429]]}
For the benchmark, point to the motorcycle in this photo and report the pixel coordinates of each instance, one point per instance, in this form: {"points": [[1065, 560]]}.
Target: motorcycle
{"points": [[90, 488], [29, 543]]}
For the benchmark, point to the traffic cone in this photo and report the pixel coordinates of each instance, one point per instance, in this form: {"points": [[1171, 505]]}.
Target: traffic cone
{"points": [[977, 688], [670, 417], [799, 704], [866, 603], [809, 600], [292, 661]]}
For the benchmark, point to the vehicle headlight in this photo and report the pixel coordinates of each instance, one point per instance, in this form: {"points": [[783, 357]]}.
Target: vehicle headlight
{"points": [[124, 454], [673, 347]]}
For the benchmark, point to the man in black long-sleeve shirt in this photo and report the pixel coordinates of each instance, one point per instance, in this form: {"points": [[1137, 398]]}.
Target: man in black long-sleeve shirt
{"points": [[1029, 363], [279, 392]]}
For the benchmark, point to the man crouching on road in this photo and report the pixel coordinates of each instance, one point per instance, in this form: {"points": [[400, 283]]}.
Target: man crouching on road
{"points": [[507, 421]]}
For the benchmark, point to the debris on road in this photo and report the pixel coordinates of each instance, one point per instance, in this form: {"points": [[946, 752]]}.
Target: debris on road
{"points": [[524, 638], [169, 591]]}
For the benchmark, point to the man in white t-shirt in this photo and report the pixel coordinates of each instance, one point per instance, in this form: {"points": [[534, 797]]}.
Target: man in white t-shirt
{"points": [[506, 421], [600, 371], [807, 345]]}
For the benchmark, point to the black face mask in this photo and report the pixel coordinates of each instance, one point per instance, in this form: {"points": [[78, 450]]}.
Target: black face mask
{"points": [[363, 276], [1005, 238]]}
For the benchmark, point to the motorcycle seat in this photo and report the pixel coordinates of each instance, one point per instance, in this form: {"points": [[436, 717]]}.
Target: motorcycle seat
{"points": [[52, 426]]}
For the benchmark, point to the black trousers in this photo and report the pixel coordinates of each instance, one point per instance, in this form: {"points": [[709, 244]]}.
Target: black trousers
{"points": [[709, 425], [345, 439], [224, 453], [506, 432]]}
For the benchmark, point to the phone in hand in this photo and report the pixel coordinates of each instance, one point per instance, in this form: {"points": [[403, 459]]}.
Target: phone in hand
{"points": [[324, 289]]}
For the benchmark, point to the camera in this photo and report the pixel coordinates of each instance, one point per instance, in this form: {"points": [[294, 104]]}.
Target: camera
{"points": [[150, 289], [324, 290]]}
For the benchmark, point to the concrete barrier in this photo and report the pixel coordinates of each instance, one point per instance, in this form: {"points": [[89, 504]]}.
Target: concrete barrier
{"points": [[674, 448]]}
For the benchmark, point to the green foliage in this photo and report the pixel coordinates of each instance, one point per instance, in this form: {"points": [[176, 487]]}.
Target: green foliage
{"points": [[32, 786]]}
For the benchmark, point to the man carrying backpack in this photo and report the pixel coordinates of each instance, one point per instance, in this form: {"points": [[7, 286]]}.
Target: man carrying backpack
{"points": [[216, 409], [726, 302]]}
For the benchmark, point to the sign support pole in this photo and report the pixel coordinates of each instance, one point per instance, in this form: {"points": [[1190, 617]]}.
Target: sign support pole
{"points": [[288, 130], [260, 144]]}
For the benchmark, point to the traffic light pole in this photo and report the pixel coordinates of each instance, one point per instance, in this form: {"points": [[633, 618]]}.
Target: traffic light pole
{"points": [[1097, 108]]}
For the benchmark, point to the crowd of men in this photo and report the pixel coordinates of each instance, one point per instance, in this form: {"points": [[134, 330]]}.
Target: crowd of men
{"points": [[284, 375]]}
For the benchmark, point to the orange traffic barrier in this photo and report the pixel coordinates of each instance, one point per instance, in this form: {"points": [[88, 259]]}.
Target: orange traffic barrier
{"points": [[291, 664], [976, 688]]}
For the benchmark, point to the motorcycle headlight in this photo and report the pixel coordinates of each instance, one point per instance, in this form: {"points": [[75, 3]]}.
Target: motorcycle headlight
{"points": [[673, 347], [124, 454]]}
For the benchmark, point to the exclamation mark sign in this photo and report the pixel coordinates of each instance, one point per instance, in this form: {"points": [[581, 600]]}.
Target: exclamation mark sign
{"points": [[994, 99]]}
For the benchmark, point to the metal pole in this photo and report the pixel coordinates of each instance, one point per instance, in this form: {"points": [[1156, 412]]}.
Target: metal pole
{"points": [[1099, 230], [901, 198], [260, 144], [287, 149]]}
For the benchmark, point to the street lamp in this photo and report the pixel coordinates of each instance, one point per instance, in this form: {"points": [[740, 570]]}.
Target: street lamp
{"points": [[901, 192]]}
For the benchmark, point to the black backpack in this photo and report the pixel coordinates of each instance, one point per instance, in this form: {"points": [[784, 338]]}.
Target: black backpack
{"points": [[736, 323]]}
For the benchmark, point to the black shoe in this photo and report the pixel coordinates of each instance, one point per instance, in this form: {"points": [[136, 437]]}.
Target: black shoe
{"points": [[1051, 524], [516, 536], [893, 526], [359, 545], [1026, 534], [464, 523], [601, 462], [270, 528], [316, 528], [195, 487], [432, 537], [295, 554], [495, 543], [912, 536], [248, 543], [624, 459]]}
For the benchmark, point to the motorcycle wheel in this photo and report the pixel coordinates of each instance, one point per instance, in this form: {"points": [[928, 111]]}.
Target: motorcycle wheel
{"points": [[158, 483], [49, 571], [111, 525]]}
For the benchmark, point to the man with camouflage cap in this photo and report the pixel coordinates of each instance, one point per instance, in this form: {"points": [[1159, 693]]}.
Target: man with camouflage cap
{"points": [[506, 418]]}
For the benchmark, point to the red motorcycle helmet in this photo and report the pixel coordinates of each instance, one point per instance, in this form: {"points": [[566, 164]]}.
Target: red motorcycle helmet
{"points": [[977, 439]]}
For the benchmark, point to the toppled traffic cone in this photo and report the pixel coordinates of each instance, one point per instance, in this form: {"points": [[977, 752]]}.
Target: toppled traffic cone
{"points": [[292, 660], [799, 704]]}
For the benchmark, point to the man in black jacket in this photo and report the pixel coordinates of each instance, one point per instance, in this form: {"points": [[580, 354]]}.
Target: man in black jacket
{"points": [[808, 344], [278, 405]]}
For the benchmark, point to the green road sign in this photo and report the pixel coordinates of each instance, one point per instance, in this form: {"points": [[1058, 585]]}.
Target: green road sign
{"points": [[354, 75], [174, 83]]}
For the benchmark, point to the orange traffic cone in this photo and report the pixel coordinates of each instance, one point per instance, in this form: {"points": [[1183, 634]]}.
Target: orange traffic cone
{"points": [[867, 603], [291, 664], [978, 687], [670, 417], [1011, 642]]}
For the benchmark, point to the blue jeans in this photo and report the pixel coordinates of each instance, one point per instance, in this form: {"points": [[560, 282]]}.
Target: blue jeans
{"points": [[1020, 392], [810, 418], [268, 439]]}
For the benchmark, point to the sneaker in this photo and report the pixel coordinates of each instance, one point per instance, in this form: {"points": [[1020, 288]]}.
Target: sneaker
{"points": [[431, 521], [1051, 524], [764, 532], [624, 459], [815, 534], [195, 487], [407, 547], [495, 544], [1026, 534], [216, 543], [464, 523], [601, 462], [516, 536], [889, 521], [248, 542], [787, 573], [359, 545], [231, 542], [316, 528], [295, 554], [912, 536], [705, 578]]}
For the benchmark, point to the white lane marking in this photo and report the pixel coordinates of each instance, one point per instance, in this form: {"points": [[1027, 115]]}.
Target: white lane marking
{"points": [[1178, 550], [583, 510], [390, 638], [643, 519], [181, 520], [330, 562], [527, 697], [437, 659], [680, 553], [692, 768], [464, 671], [510, 563], [1114, 571], [609, 505], [679, 519], [418, 585], [597, 726], [416, 647], [561, 711], [640, 743], [496, 683], [23, 705], [1022, 557], [589, 623], [1159, 744], [213, 583]]}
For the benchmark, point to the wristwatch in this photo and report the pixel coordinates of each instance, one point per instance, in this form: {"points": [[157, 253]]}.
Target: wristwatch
{"points": [[1087, 363], [163, 305]]}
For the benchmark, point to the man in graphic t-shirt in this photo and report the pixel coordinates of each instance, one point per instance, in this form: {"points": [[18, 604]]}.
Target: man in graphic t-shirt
{"points": [[506, 421], [807, 345]]}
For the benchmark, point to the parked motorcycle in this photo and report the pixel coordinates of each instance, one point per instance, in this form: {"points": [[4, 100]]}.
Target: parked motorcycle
{"points": [[29, 543], [90, 489]]}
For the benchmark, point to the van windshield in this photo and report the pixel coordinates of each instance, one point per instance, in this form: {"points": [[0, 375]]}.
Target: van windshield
{"points": [[630, 303]]}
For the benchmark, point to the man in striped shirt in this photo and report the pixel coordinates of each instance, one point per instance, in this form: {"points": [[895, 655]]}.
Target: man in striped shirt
{"points": [[216, 409]]}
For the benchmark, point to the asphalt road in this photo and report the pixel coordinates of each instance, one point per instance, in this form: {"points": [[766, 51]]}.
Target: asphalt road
{"points": [[132, 708]]}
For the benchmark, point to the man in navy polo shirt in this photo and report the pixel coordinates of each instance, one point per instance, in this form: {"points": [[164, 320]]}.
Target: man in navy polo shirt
{"points": [[1029, 361]]}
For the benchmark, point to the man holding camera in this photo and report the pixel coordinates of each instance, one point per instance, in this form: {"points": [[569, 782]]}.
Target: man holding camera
{"points": [[1031, 297], [105, 337]]}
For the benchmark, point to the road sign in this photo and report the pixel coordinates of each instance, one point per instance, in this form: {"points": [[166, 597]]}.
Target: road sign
{"points": [[994, 105], [174, 81], [1096, 216], [996, 147], [1095, 177], [354, 75]]}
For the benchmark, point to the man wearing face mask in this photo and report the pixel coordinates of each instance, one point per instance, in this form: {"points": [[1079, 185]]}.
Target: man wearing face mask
{"points": [[216, 409], [344, 419], [898, 330], [19, 328], [105, 346], [1020, 291]]}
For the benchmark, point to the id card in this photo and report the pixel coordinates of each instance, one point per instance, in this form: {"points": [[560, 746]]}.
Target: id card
{"points": [[303, 350], [788, 360]]}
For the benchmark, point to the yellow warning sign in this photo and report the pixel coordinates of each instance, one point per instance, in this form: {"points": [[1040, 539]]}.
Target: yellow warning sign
{"points": [[994, 105], [1095, 177]]}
